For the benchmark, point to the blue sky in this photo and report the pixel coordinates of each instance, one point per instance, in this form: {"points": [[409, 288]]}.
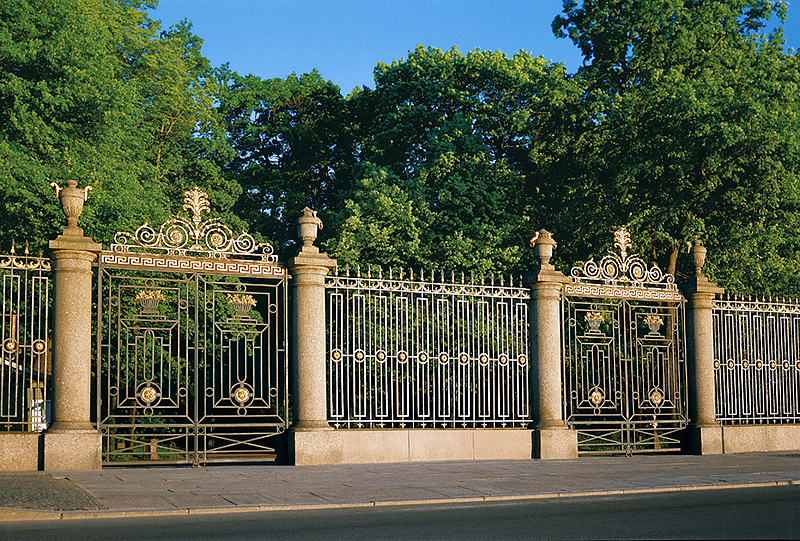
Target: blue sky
{"points": [[345, 39]]}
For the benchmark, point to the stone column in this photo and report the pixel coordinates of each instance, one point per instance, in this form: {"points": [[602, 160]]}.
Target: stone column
{"points": [[311, 440], [552, 437], [705, 432], [71, 442]]}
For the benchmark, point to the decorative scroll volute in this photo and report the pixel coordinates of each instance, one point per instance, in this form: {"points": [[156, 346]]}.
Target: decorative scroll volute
{"points": [[179, 236], [623, 269]]}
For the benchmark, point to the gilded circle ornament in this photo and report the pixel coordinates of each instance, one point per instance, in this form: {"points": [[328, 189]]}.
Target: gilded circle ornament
{"points": [[772, 365], [745, 365], [656, 398], [716, 365], [176, 236], [423, 357], [759, 365], [381, 355], [443, 358], [241, 395], [216, 240], [463, 358], [39, 346], [786, 365], [730, 365], [503, 359], [10, 345], [359, 355], [402, 356], [149, 395], [523, 360], [483, 359], [336, 355], [596, 397]]}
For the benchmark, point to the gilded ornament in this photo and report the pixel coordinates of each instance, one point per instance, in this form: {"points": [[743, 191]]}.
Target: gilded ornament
{"points": [[241, 304], [180, 236], [148, 395], [241, 395], [10, 345], [593, 319], [623, 269], [656, 398]]}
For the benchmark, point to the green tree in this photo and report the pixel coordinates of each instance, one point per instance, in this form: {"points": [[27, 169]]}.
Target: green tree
{"points": [[453, 137], [693, 134], [293, 144], [92, 91]]}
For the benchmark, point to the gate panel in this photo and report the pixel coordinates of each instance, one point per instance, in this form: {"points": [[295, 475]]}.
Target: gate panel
{"points": [[192, 360], [624, 356], [25, 381]]}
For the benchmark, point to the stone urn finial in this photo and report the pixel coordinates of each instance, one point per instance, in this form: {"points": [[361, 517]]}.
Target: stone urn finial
{"points": [[698, 252], [309, 225], [72, 200], [543, 246]]}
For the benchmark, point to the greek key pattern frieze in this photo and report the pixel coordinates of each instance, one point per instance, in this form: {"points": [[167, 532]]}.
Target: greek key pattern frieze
{"points": [[612, 292], [157, 262]]}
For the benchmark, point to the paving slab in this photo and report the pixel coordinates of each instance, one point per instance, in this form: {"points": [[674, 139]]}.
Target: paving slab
{"points": [[129, 491]]}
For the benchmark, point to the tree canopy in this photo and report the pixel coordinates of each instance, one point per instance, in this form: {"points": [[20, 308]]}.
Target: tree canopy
{"points": [[682, 123], [93, 91], [693, 134]]}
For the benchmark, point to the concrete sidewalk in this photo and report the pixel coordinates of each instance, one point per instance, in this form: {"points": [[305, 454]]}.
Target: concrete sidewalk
{"points": [[143, 491]]}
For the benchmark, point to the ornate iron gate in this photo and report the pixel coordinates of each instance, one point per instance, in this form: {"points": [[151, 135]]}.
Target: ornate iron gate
{"points": [[191, 362], [624, 355]]}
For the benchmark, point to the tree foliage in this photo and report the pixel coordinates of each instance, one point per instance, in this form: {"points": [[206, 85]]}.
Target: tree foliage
{"points": [[92, 91], [681, 124], [694, 134]]}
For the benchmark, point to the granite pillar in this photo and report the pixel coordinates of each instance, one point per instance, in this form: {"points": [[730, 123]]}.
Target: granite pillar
{"points": [[311, 440], [704, 432], [71, 442], [552, 437]]}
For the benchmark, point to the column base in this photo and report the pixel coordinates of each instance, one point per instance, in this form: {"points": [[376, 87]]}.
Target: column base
{"points": [[555, 443], [308, 447], [73, 450], [706, 440]]}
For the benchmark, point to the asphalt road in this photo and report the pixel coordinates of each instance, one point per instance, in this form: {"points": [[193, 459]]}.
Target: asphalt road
{"points": [[744, 513]]}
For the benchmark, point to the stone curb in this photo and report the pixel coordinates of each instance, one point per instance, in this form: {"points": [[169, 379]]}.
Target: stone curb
{"points": [[18, 515]]}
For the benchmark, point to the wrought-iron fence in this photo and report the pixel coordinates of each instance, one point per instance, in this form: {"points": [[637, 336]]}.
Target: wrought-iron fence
{"points": [[25, 350], [422, 353], [757, 361]]}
